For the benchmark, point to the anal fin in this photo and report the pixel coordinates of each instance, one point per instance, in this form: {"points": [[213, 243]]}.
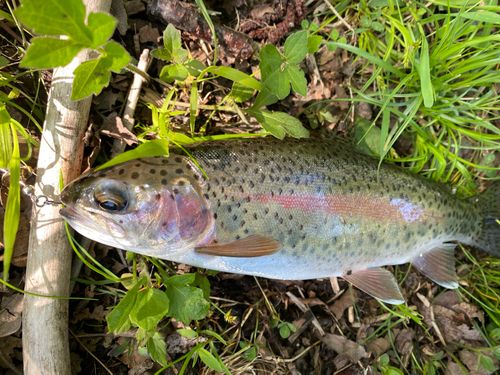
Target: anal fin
{"points": [[255, 245], [438, 264], [377, 282]]}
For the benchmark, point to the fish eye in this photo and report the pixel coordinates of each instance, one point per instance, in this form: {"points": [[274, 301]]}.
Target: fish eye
{"points": [[111, 196]]}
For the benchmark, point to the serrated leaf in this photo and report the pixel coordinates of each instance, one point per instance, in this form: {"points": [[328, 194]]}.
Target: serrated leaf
{"points": [[44, 53], [241, 93], [297, 78], [486, 363], [280, 123], [313, 43], [209, 360], [162, 54], [56, 17], [120, 313], [102, 26], [171, 40], [186, 303], [157, 350], [178, 72], [296, 47], [150, 307], [90, 77], [115, 56], [189, 333]]}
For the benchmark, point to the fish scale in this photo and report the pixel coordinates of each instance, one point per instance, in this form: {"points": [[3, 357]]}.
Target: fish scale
{"points": [[331, 208]]}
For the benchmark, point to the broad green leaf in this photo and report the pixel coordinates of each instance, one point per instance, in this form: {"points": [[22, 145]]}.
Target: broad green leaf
{"points": [[264, 98], [236, 76], [150, 307], [334, 34], [121, 312], [209, 360], [3, 61], [102, 26], [483, 16], [47, 53], [194, 66], [488, 159], [313, 43], [165, 76], [486, 363], [13, 207], [178, 72], [368, 136], [296, 47], [425, 75], [162, 54], [179, 55], [56, 17], [189, 333], [297, 78], [496, 353], [157, 349], [5, 137], [384, 360], [377, 26], [156, 147], [115, 56], [203, 283], [90, 77], [186, 303], [279, 123], [270, 62], [241, 93], [181, 280], [171, 41]]}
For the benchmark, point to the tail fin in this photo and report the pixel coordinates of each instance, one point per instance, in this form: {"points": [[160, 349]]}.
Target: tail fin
{"points": [[489, 206]]}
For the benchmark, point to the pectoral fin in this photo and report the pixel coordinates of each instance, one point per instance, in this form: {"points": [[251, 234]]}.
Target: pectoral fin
{"points": [[377, 282], [255, 245], [438, 264]]}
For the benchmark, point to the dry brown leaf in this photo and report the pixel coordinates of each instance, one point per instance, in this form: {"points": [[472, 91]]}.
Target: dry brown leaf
{"points": [[7, 346], [404, 341], [448, 299], [347, 349], [113, 127], [10, 314], [379, 346], [470, 359], [148, 34], [343, 303], [177, 344], [452, 368], [260, 10]]}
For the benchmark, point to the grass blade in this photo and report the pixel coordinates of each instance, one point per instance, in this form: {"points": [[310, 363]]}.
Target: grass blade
{"points": [[425, 75]]}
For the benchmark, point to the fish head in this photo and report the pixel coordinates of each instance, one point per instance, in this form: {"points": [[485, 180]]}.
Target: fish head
{"points": [[147, 207]]}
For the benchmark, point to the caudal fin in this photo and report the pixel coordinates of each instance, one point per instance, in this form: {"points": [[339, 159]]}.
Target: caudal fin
{"points": [[489, 203]]}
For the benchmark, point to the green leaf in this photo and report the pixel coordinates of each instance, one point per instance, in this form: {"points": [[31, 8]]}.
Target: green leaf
{"points": [[181, 280], [483, 16], [157, 349], [384, 360], [368, 136], [241, 93], [121, 312], [165, 76], [3, 61], [236, 76], [284, 331], [297, 78], [377, 26], [171, 41], [189, 333], [264, 98], [425, 75], [179, 55], [270, 61], [178, 72], [486, 363], [44, 53], [5, 137], [13, 206], [488, 159], [162, 54], [209, 360], [90, 77], [279, 123], [150, 307], [115, 56], [201, 281], [102, 26], [496, 353], [334, 34], [56, 17], [156, 147], [313, 43], [366, 21], [194, 66], [296, 47], [186, 303]]}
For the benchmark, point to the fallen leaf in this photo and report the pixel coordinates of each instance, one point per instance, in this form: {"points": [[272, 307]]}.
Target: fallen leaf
{"points": [[404, 341], [452, 368], [10, 314], [470, 359], [113, 127], [347, 349], [379, 346], [343, 303]]}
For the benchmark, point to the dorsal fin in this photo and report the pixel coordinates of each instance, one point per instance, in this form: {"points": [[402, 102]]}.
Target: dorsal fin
{"points": [[255, 245], [438, 264], [377, 282]]}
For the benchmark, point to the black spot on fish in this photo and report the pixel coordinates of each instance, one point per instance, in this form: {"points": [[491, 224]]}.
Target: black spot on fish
{"points": [[152, 171], [138, 165], [266, 211], [178, 160], [121, 171], [235, 217], [229, 209], [135, 175], [255, 216], [102, 175], [121, 221], [164, 161], [179, 171], [176, 191], [164, 182], [182, 183], [251, 184], [206, 196], [163, 172]]}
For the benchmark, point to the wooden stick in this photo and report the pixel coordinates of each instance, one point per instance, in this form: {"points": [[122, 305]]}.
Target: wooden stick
{"points": [[45, 320]]}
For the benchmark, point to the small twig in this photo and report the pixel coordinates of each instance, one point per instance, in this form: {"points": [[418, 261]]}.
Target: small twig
{"points": [[92, 354], [332, 8]]}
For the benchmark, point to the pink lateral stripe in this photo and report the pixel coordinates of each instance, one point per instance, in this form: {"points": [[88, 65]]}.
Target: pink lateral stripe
{"points": [[396, 210]]}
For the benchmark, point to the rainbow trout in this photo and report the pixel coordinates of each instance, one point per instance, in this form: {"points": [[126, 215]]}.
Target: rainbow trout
{"points": [[293, 209]]}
